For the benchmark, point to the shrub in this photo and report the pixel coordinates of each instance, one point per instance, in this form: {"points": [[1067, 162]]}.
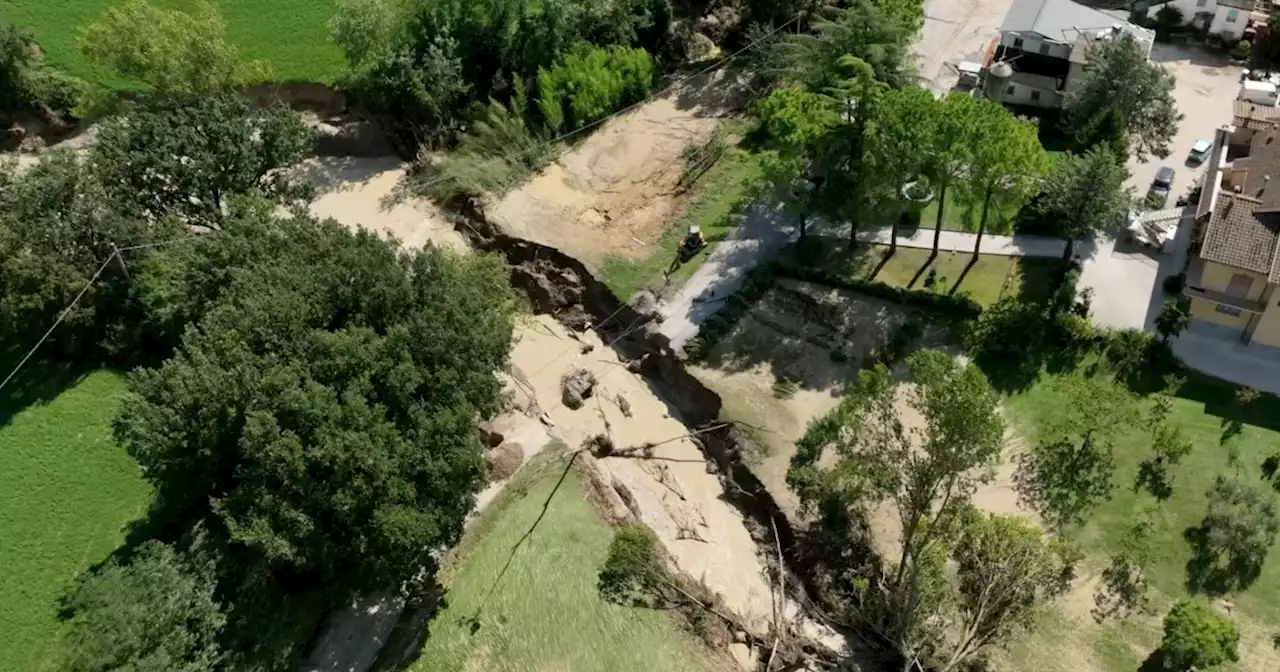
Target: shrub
{"points": [[497, 152], [1174, 316], [1127, 348], [1168, 20], [1197, 638], [1065, 296], [587, 86], [1174, 284], [1241, 50], [903, 338], [632, 573], [1075, 332]]}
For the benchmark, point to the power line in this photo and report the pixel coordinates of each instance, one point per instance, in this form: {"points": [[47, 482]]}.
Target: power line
{"points": [[115, 254], [58, 321]]}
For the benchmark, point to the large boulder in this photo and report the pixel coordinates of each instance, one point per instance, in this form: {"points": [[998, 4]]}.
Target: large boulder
{"points": [[504, 461]]}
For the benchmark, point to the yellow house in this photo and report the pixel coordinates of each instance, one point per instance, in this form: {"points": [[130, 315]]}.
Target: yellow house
{"points": [[1233, 279]]}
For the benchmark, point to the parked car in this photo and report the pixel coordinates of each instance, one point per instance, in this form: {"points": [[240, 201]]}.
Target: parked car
{"points": [[1200, 151], [1158, 194]]}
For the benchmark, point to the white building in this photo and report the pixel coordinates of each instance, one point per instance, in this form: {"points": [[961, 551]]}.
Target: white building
{"points": [[1228, 18], [1047, 43]]}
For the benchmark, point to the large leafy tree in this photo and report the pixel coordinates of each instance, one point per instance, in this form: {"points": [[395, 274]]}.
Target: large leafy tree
{"points": [[1067, 475], [1196, 638], [1120, 77], [1005, 569], [1234, 538], [880, 32], [1007, 163], [897, 149], [155, 613], [797, 123], [186, 156], [951, 152], [171, 51], [321, 411], [57, 229], [1084, 195], [926, 468]]}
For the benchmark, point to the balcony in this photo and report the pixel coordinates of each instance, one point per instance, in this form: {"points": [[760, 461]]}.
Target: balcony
{"points": [[1195, 290]]}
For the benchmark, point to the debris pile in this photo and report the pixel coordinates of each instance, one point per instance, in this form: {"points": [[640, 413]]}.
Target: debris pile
{"points": [[504, 460], [576, 387]]}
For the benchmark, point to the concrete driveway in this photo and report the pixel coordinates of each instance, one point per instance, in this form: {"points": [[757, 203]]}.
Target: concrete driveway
{"points": [[1206, 86], [954, 31]]}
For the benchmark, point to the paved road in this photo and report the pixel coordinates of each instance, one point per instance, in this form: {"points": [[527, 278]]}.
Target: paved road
{"points": [[765, 229]]}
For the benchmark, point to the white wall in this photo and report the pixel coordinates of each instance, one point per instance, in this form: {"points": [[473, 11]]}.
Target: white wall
{"points": [[1234, 29], [1022, 95], [1031, 42]]}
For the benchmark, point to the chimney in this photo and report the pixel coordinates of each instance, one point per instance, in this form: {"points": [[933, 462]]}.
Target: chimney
{"points": [[1263, 187]]}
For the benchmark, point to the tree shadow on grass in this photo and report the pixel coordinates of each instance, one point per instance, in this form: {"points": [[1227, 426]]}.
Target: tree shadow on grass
{"points": [[1154, 663], [1153, 477], [1213, 571], [39, 381]]}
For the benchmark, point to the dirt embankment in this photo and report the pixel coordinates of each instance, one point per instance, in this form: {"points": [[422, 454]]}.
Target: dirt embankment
{"points": [[682, 490]]}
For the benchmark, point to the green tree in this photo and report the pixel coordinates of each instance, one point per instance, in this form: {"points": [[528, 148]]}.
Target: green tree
{"points": [[1070, 473], [155, 613], [1006, 569], [186, 156], [950, 153], [171, 51], [849, 189], [1105, 128], [1196, 638], [1007, 164], [1123, 587], [798, 124], [588, 86], [322, 410], [1084, 196], [1231, 544], [1120, 76], [1174, 316], [928, 471], [879, 32], [903, 131]]}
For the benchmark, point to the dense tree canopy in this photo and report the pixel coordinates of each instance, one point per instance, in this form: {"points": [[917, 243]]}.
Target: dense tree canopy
{"points": [[186, 156], [880, 32], [1084, 195], [1122, 81], [155, 613], [322, 409]]}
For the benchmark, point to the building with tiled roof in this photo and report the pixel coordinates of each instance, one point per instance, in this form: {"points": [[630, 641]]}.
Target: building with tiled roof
{"points": [[1233, 279]]}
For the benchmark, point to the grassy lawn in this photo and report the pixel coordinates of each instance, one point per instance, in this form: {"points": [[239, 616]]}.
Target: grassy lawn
{"points": [[1204, 408], [985, 281], [719, 197], [545, 613], [66, 493], [962, 216], [292, 35]]}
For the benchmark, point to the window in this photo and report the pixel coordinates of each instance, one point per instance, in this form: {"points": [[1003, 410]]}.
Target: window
{"points": [[1228, 310], [1232, 15], [1009, 91], [1044, 48], [1239, 286], [1017, 43], [1035, 96]]}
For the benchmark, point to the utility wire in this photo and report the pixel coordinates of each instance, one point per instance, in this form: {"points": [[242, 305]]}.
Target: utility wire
{"points": [[115, 254]]}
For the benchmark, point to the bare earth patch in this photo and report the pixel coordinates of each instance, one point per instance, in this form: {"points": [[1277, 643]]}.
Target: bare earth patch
{"points": [[616, 192], [790, 334]]}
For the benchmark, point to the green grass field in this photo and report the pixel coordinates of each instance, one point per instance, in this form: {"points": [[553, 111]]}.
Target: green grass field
{"points": [[1203, 407], [545, 613], [67, 491], [291, 35], [985, 281]]}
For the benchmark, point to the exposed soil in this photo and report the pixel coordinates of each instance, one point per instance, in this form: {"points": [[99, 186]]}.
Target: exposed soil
{"points": [[790, 334], [368, 192], [616, 192]]}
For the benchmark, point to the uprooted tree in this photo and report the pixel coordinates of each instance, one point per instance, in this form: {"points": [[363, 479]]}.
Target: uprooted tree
{"points": [[928, 469]]}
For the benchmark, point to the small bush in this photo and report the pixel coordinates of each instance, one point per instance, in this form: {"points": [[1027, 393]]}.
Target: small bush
{"points": [[1064, 299], [633, 571], [1241, 50], [1127, 348], [903, 338], [1168, 20], [1076, 332], [1174, 284]]}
